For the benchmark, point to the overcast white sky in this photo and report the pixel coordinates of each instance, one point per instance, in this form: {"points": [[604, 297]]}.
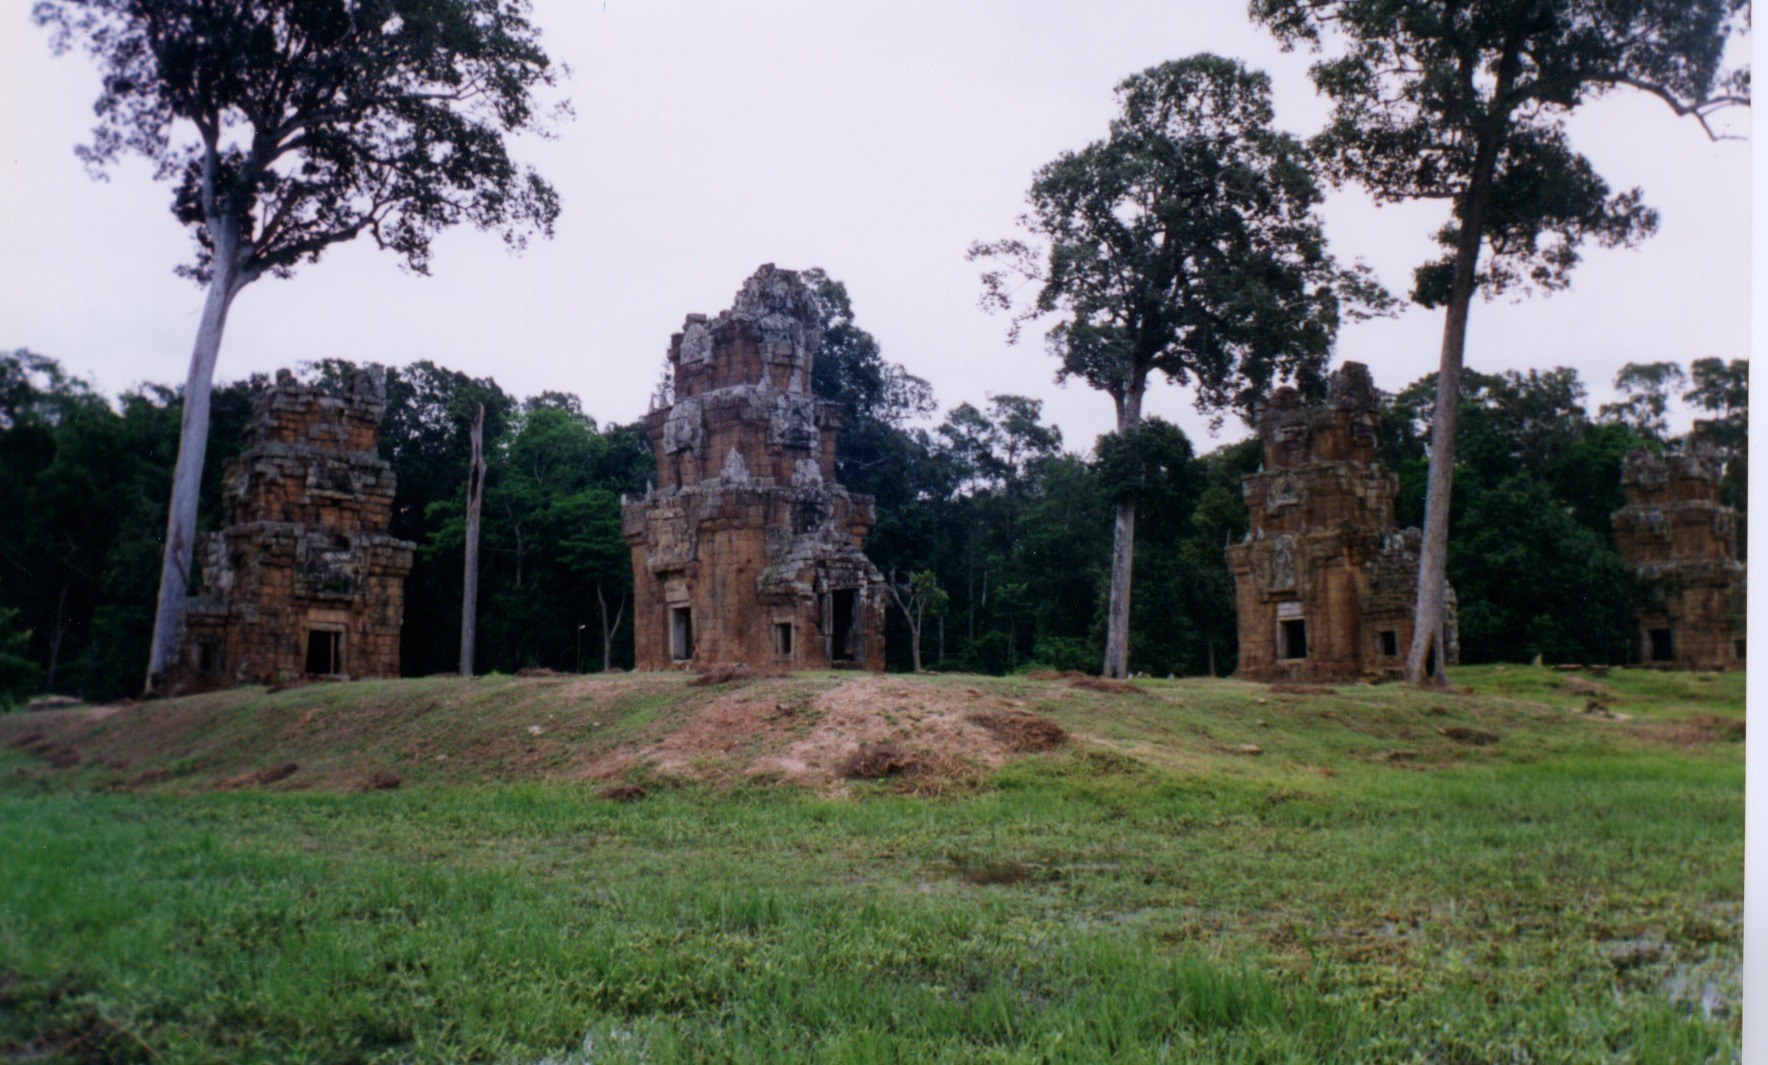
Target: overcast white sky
{"points": [[874, 140]]}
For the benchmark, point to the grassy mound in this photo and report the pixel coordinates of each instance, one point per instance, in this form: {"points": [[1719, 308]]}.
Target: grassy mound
{"points": [[1546, 868]]}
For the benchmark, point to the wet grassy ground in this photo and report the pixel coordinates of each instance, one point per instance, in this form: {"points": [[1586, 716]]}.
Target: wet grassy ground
{"points": [[1570, 890]]}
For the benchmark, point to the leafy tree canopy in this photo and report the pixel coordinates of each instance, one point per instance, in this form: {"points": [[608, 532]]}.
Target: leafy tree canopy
{"points": [[317, 121], [1435, 97], [1185, 243]]}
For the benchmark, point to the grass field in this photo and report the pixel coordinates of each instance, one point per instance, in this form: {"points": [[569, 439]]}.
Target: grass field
{"points": [[1549, 885]]}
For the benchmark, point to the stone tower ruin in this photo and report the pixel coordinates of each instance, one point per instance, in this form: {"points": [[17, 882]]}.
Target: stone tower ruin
{"points": [[1324, 585], [302, 579], [1680, 543], [746, 550]]}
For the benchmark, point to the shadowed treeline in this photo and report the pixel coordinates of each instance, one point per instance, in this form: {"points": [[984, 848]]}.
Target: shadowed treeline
{"points": [[1014, 529]]}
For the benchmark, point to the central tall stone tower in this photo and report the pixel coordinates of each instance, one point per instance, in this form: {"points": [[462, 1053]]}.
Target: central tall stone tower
{"points": [[746, 550], [1324, 584]]}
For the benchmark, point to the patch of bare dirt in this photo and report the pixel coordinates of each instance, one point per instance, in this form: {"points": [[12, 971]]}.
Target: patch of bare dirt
{"points": [[1104, 685], [1585, 688], [1022, 731], [726, 673], [926, 736], [381, 780], [1706, 728], [875, 761], [258, 777], [1479, 737], [1300, 689]]}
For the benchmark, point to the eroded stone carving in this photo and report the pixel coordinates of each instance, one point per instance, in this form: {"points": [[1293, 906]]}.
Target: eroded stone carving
{"points": [[1681, 544], [755, 560], [1324, 585], [302, 578]]}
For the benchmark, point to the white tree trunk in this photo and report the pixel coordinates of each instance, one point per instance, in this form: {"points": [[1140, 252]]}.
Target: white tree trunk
{"points": [[1123, 542], [1117, 626], [1427, 658], [469, 594], [187, 475]]}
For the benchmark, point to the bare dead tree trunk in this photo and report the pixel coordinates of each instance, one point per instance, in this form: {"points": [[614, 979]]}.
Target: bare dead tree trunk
{"points": [[469, 594], [57, 634], [187, 474], [607, 629], [1426, 660], [1123, 542], [906, 604]]}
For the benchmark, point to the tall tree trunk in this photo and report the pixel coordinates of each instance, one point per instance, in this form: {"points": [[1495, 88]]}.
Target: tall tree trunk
{"points": [[912, 608], [187, 475], [1427, 658], [56, 635], [469, 593], [607, 629], [915, 643], [1123, 542]]}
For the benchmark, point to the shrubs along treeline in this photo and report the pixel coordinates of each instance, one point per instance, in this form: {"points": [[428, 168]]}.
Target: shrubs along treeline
{"points": [[1015, 528]]}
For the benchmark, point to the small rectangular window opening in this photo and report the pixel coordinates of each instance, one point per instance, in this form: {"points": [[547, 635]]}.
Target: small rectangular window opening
{"points": [[1663, 646], [1294, 638], [1390, 643], [325, 652], [681, 633], [208, 658], [782, 639]]}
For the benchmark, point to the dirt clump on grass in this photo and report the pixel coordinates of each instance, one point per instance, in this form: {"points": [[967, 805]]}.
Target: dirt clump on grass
{"points": [[1584, 688], [875, 761], [258, 777], [1694, 731], [773, 731], [1300, 689], [1104, 685], [1022, 731], [727, 673], [623, 792], [1479, 737]]}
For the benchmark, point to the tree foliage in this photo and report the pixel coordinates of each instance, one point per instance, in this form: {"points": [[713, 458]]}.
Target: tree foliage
{"points": [[1185, 243], [317, 121], [1465, 101]]}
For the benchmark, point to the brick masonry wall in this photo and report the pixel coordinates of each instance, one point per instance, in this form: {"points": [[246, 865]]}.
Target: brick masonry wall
{"points": [[303, 554], [746, 528], [1323, 551]]}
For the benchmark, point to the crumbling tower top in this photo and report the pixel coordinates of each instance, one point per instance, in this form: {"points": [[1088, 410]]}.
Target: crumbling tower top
{"points": [[327, 440], [768, 337], [1342, 429]]}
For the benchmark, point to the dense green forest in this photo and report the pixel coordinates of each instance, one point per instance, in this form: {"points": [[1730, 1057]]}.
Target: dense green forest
{"points": [[1011, 521]]}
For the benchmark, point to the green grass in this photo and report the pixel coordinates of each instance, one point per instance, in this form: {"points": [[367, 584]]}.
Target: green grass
{"points": [[1570, 893]]}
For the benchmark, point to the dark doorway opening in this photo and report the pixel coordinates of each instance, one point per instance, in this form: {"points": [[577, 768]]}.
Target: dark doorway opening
{"points": [[325, 652], [1740, 645], [681, 633], [1295, 638], [1390, 643], [782, 639], [1663, 645], [842, 604], [208, 658]]}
